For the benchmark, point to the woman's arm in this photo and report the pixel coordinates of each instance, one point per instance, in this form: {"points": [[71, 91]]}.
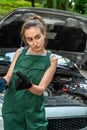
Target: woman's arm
{"points": [[8, 76], [46, 79]]}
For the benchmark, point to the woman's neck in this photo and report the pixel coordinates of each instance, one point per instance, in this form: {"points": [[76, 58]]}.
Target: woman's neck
{"points": [[37, 52]]}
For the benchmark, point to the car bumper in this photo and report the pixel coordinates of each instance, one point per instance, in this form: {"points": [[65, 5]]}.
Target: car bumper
{"points": [[66, 112], [67, 118]]}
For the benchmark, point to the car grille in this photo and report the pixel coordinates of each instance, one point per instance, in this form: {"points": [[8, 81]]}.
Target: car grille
{"points": [[67, 124]]}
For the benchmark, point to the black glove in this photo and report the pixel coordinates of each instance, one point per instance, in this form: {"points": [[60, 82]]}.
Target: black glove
{"points": [[2, 84], [22, 82]]}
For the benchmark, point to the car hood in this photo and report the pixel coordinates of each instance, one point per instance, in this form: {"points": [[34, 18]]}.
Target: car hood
{"points": [[66, 31]]}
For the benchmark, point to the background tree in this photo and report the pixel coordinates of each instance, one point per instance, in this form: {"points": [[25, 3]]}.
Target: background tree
{"points": [[62, 4], [32, 2], [80, 6], [50, 4], [58, 4]]}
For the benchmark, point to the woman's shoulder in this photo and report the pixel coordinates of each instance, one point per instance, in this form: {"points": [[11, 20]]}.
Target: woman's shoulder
{"points": [[22, 49], [53, 56]]}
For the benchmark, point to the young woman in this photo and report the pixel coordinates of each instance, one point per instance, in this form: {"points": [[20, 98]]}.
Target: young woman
{"points": [[30, 72]]}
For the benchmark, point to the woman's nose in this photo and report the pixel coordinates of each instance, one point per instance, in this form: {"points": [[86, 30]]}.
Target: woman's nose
{"points": [[35, 42]]}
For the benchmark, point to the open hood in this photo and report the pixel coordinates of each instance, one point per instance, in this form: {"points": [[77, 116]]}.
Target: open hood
{"points": [[67, 32]]}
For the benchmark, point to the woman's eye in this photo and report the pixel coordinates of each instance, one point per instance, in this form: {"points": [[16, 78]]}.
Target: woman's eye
{"points": [[29, 39], [38, 37]]}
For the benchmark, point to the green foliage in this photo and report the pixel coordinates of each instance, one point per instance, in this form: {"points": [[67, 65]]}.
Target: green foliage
{"points": [[8, 5], [85, 8], [80, 6]]}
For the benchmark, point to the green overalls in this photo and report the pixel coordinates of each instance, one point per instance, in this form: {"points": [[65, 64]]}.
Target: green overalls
{"points": [[23, 110]]}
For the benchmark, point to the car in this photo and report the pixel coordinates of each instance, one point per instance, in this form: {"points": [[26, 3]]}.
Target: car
{"points": [[66, 96]]}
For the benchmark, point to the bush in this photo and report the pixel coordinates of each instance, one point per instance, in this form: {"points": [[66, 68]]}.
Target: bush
{"points": [[8, 5]]}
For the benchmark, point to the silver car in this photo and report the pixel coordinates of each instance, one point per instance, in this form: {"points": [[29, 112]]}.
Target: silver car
{"points": [[66, 96]]}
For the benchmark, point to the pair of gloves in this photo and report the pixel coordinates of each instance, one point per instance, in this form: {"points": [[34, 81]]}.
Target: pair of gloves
{"points": [[21, 82]]}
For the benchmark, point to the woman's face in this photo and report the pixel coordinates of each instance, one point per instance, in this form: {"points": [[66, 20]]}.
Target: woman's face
{"points": [[35, 38]]}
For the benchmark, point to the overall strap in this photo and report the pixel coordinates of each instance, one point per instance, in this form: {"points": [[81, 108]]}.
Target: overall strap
{"points": [[23, 50]]}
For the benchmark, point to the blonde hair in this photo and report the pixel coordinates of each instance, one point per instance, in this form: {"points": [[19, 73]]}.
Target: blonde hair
{"points": [[31, 22]]}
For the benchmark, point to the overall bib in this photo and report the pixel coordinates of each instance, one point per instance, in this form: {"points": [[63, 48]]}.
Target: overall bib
{"points": [[23, 110]]}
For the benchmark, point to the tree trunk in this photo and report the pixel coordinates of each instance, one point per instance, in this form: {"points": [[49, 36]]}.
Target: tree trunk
{"points": [[49, 3], [33, 4], [62, 4]]}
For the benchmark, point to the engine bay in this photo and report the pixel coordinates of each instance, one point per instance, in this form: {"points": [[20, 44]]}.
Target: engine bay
{"points": [[66, 90]]}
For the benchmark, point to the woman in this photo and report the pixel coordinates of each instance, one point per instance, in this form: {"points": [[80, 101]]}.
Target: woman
{"points": [[30, 72]]}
